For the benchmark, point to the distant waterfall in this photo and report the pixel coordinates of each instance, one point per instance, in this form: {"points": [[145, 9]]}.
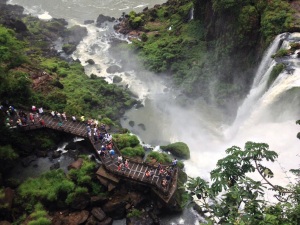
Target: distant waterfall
{"points": [[254, 108]]}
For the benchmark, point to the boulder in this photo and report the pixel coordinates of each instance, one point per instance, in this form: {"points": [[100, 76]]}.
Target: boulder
{"points": [[131, 123], [98, 200], [80, 201], [117, 79], [90, 61], [101, 19], [143, 219], [115, 208], [55, 166], [178, 149], [142, 126], [76, 165], [56, 154], [88, 22], [78, 217], [98, 213], [114, 69], [71, 146], [75, 34], [107, 221]]}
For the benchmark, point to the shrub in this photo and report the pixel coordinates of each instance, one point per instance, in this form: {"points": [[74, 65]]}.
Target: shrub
{"points": [[163, 158], [134, 213], [39, 216], [281, 53], [178, 149], [133, 152], [125, 140]]}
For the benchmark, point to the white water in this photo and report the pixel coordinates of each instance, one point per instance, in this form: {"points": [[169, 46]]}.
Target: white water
{"points": [[199, 125]]}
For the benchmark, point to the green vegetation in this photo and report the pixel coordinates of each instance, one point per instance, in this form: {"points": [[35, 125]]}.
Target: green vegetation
{"points": [[278, 68], [134, 213], [162, 158], [58, 189], [178, 149], [39, 216], [232, 186], [129, 145], [212, 56]]}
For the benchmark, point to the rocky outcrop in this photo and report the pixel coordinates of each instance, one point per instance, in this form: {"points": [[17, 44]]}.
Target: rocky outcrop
{"points": [[73, 218], [98, 213], [101, 19], [114, 69], [80, 202], [76, 165]]}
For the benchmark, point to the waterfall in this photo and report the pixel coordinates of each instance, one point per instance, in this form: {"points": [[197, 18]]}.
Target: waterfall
{"points": [[259, 99]]}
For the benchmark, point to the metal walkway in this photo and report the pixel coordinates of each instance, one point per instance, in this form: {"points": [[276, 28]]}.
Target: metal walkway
{"points": [[136, 170]]}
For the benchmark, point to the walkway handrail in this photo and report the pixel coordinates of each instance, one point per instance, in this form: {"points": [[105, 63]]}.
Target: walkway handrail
{"points": [[83, 133]]}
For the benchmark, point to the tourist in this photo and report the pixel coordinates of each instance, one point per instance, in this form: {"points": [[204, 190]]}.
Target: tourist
{"points": [[147, 174], [64, 116], [33, 108], [73, 118], [164, 183], [82, 118], [121, 166], [53, 114], [41, 111], [174, 162], [120, 159], [111, 153], [31, 118], [127, 164], [151, 172], [42, 122]]}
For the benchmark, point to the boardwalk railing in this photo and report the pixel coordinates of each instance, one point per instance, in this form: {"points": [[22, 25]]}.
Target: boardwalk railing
{"points": [[135, 172]]}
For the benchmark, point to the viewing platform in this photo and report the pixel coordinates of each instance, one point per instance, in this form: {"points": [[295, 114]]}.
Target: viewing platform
{"points": [[135, 173]]}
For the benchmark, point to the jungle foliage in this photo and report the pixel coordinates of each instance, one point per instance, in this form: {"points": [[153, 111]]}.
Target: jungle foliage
{"points": [[129, 145], [234, 196], [207, 55]]}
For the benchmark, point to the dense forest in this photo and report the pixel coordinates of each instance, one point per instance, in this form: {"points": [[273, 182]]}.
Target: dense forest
{"points": [[209, 48]]}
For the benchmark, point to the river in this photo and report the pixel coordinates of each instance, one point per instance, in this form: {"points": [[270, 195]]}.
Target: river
{"points": [[265, 116]]}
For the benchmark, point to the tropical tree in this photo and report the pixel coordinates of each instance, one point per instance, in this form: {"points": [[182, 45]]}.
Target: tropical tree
{"points": [[234, 196]]}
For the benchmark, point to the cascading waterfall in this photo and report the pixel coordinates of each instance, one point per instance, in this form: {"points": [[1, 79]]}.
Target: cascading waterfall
{"points": [[260, 96]]}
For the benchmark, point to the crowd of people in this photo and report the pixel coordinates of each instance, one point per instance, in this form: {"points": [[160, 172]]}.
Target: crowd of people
{"points": [[164, 172], [20, 118]]}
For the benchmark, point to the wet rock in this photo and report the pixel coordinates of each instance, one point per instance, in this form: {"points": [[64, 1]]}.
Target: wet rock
{"points": [[29, 159], [101, 19], [115, 208], [88, 22], [98, 213], [16, 25], [76, 165], [139, 104], [142, 126], [80, 202], [131, 123], [55, 166], [117, 79], [56, 154], [143, 219], [71, 146], [98, 200], [78, 217], [107, 221], [114, 69], [90, 61]]}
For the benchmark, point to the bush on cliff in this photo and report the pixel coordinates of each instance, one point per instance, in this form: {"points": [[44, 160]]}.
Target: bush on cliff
{"points": [[178, 149]]}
